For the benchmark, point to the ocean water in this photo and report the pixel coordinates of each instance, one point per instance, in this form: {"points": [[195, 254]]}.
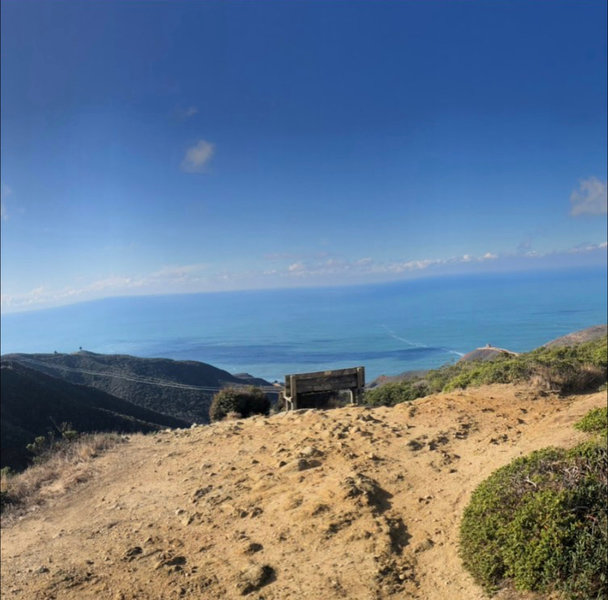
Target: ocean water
{"points": [[388, 328]]}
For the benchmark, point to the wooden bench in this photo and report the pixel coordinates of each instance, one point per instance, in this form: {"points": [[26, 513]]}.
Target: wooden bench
{"points": [[312, 390]]}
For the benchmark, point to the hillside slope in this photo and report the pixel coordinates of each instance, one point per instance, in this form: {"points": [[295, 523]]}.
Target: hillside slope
{"points": [[34, 403], [348, 503], [579, 337], [181, 389], [491, 353]]}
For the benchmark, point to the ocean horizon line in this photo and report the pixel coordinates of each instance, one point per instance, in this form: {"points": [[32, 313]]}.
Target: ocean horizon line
{"points": [[313, 287]]}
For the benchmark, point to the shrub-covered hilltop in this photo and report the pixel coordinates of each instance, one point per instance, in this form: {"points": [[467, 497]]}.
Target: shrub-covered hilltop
{"points": [[563, 369], [541, 523]]}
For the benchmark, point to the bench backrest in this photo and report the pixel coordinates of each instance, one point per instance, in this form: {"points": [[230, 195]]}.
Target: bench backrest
{"points": [[352, 379]]}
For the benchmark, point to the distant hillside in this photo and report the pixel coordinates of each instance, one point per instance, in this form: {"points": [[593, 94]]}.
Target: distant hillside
{"points": [[492, 353], [578, 337], [181, 389], [565, 369], [405, 376], [34, 403]]}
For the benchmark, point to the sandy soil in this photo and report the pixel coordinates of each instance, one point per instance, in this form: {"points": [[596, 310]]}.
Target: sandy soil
{"points": [[352, 503]]}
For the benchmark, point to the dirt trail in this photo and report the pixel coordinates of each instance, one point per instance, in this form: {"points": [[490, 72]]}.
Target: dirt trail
{"points": [[350, 503]]}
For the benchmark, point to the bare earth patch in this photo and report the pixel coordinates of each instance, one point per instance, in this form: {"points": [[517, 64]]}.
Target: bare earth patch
{"points": [[348, 503]]}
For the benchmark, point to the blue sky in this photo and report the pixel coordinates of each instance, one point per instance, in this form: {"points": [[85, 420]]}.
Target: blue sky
{"points": [[160, 147]]}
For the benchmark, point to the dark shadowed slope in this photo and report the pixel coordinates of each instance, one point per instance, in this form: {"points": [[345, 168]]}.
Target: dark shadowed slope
{"points": [[182, 389], [34, 403]]}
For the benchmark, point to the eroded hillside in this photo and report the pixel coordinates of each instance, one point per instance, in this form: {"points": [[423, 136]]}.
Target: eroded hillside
{"points": [[349, 503]]}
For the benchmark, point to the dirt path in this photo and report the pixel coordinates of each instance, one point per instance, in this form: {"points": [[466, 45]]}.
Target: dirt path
{"points": [[350, 503]]}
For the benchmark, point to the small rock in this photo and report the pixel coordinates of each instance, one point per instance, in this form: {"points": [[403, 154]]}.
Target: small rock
{"points": [[423, 546], [301, 464], [309, 452], [253, 548], [254, 578], [131, 553], [201, 492]]}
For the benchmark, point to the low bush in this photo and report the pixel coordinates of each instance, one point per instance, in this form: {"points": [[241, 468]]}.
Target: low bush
{"points": [[595, 421], [540, 523], [245, 402]]}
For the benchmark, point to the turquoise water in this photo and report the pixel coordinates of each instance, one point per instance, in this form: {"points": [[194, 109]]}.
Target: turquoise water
{"points": [[388, 328]]}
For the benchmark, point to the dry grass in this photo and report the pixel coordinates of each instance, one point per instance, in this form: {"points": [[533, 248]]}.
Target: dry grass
{"points": [[69, 464]]}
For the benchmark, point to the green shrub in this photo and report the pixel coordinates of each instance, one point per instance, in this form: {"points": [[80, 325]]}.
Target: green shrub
{"points": [[540, 524], [244, 402], [595, 421], [390, 394]]}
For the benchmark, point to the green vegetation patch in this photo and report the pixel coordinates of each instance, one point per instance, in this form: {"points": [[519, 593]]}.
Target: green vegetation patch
{"points": [[566, 370], [540, 524], [244, 402], [595, 421]]}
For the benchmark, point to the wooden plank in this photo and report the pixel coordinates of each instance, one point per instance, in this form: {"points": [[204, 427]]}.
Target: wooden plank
{"points": [[327, 384], [335, 372]]}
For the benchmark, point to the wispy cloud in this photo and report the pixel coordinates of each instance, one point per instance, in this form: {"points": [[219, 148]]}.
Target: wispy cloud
{"points": [[587, 248], [591, 198], [203, 277], [166, 280], [296, 267], [197, 157], [186, 113], [368, 266], [175, 273]]}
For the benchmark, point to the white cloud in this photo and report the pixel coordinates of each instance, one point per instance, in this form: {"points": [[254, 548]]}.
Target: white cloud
{"points": [[591, 198], [582, 248], [197, 157], [186, 113], [175, 273], [202, 277], [369, 267]]}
